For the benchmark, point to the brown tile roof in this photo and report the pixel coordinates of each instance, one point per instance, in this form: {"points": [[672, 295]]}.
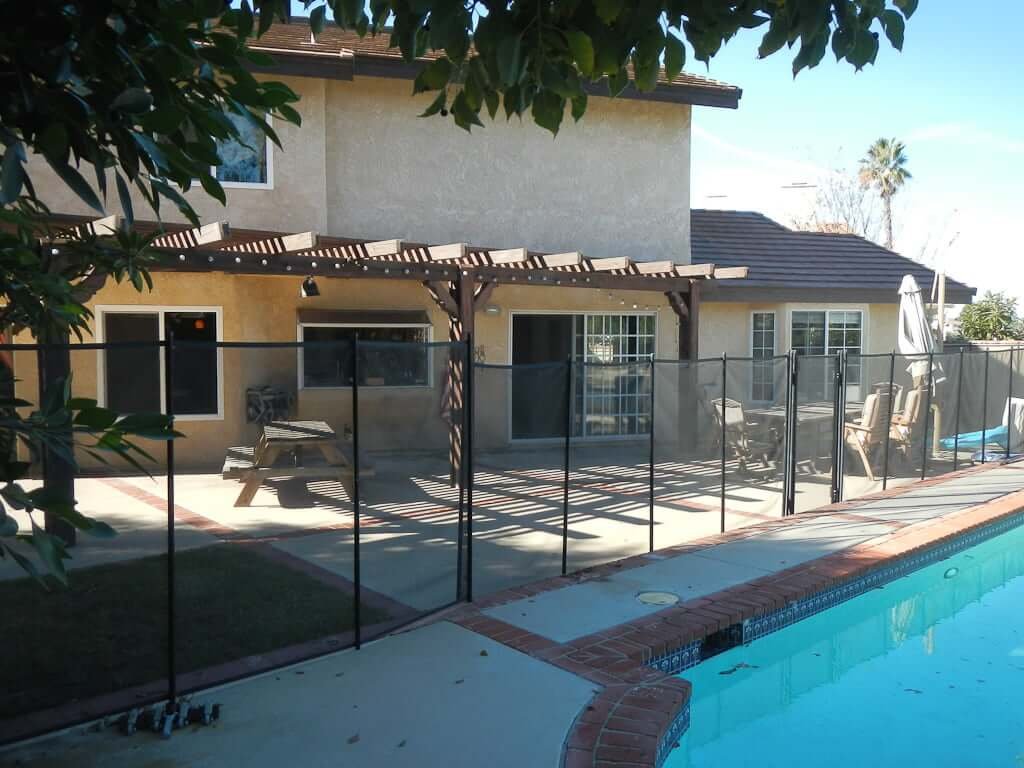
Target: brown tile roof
{"points": [[373, 56], [787, 265]]}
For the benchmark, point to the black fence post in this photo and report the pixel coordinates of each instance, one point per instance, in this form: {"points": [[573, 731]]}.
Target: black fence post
{"points": [[927, 414], [838, 414], [565, 464], [888, 429], [794, 408], [725, 369], [54, 362], [468, 459], [650, 462], [984, 411], [356, 574], [1009, 410], [172, 670], [956, 419]]}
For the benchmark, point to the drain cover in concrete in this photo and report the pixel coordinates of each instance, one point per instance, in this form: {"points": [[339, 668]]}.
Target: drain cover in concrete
{"points": [[657, 598]]}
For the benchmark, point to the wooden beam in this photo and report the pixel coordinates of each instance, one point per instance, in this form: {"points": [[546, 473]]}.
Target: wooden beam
{"points": [[195, 237], [678, 304], [693, 324], [447, 252], [608, 265], [441, 293], [694, 270], [301, 241], [730, 273], [509, 256], [483, 295], [108, 225], [383, 247], [570, 259], [655, 267]]}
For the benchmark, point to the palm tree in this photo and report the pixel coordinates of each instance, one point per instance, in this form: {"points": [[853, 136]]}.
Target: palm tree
{"points": [[884, 167]]}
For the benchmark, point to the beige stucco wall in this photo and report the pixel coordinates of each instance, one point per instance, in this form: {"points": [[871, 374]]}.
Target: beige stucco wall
{"points": [[364, 165], [263, 309], [615, 184], [297, 202]]}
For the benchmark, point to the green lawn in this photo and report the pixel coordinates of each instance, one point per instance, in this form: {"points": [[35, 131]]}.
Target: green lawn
{"points": [[108, 630]]}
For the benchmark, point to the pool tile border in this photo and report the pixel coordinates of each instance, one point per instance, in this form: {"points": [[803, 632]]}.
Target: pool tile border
{"points": [[638, 715]]}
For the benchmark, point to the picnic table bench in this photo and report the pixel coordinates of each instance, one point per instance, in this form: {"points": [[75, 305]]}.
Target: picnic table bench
{"points": [[294, 441]]}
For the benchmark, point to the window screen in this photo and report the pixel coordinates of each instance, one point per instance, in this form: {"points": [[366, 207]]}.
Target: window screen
{"points": [[380, 365], [243, 160], [194, 387], [132, 374]]}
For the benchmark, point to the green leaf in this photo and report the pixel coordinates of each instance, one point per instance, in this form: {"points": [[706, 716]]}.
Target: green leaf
{"points": [[776, 36], [582, 49], [317, 19], [894, 27], [433, 76], [152, 151], [125, 197], [548, 110], [579, 106], [464, 116], [436, 105], [8, 526], [608, 10], [906, 6], [96, 418], [493, 101], [675, 56], [12, 176], [213, 187], [132, 101], [617, 83], [49, 551], [77, 184], [509, 55]]}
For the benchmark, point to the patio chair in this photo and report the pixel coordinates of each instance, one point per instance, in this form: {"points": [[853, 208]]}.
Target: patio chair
{"points": [[897, 393], [745, 440], [866, 435], [907, 427]]}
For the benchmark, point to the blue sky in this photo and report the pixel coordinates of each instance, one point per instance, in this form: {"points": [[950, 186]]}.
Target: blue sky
{"points": [[954, 96]]}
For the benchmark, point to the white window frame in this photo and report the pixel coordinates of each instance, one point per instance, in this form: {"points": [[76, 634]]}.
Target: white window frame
{"points": [[775, 343], [828, 311], [160, 310], [587, 313], [366, 388], [268, 184]]}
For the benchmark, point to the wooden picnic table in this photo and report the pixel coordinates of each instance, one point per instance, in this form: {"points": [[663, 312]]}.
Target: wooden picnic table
{"points": [[295, 438]]}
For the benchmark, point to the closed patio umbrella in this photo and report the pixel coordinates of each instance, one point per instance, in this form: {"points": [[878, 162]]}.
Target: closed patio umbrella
{"points": [[914, 334]]}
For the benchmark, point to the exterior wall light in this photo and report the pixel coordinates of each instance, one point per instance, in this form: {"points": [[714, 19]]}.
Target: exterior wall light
{"points": [[309, 288]]}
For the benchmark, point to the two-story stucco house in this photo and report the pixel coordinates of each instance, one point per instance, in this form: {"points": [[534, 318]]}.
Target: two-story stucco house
{"points": [[584, 246]]}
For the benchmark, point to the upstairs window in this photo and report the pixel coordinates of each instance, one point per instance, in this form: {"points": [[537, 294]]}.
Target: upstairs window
{"points": [[245, 161]]}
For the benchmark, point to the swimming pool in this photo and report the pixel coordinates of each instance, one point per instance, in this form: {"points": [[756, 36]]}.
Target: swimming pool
{"points": [[927, 670]]}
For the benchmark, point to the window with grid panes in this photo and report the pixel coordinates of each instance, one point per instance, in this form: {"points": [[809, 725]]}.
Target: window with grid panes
{"points": [[763, 350], [615, 387]]}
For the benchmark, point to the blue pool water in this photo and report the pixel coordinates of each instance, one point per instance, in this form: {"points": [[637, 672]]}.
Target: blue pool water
{"points": [[925, 671]]}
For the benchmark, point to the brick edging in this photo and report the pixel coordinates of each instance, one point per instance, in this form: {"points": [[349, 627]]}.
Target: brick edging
{"points": [[638, 713]]}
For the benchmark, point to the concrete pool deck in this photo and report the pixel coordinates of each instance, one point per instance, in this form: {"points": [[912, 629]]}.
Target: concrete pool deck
{"points": [[502, 681]]}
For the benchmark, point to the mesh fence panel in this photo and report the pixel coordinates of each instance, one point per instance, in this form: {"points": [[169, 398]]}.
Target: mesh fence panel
{"points": [[945, 406], [609, 477], [815, 436], [871, 401], [269, 578], [519, 472], [755, 430], [998, 403], [105, 634], [686, 450]]}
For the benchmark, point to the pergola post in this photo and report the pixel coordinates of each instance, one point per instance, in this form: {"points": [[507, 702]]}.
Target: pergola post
{"points": [[687, 309], [58, 472], [459, 299]]}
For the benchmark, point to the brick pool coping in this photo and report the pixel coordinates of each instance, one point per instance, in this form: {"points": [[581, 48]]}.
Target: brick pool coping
{"points": [[639, 712]]}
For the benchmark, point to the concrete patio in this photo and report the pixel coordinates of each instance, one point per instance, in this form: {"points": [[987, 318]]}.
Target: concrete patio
{"points": [[441, 694]]}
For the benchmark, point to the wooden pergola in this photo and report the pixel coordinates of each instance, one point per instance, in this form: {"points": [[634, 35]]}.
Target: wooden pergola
{"points": [[460, 278]]}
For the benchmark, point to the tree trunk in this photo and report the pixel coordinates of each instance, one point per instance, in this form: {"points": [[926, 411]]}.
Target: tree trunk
{"points": [[887, 207]]}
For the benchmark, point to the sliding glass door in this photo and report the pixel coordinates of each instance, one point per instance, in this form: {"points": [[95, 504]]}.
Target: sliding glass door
{"points": [[612, 373]]}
